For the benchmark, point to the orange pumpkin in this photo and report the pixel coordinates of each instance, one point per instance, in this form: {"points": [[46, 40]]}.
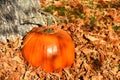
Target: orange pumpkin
{"points": [[48, 47]]}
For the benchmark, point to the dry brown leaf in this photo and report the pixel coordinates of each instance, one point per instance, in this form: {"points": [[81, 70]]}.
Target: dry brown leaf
{"points": [[58, 3], [14, 76]]}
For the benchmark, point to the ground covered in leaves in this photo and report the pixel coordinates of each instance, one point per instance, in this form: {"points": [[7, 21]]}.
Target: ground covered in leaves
{"points": [[94, 26]]}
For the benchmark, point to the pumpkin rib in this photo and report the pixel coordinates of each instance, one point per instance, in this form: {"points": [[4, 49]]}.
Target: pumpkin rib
{"points": [[58, 60], [36, 52], [30, 49], [28, 42], [66, 46], [48, 58]]}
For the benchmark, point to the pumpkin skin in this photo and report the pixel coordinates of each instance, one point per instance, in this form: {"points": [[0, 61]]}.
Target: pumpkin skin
{"points": [[49, 50]]}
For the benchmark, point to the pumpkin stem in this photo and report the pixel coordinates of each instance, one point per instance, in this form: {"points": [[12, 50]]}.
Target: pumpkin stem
{"points": [[49, 30]]}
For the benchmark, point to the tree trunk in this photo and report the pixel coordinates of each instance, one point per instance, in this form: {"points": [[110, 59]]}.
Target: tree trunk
{"points": [[17, 17]]}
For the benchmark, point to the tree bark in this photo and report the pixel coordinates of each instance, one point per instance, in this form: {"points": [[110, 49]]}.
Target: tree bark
{"points": [[17, 17]]}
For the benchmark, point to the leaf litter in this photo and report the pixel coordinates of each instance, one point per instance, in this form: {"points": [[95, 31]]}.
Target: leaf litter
{"points": [[96, 34]]}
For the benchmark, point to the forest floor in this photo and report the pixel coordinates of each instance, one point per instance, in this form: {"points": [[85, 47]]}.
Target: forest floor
{"points": [[94, 26]]}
